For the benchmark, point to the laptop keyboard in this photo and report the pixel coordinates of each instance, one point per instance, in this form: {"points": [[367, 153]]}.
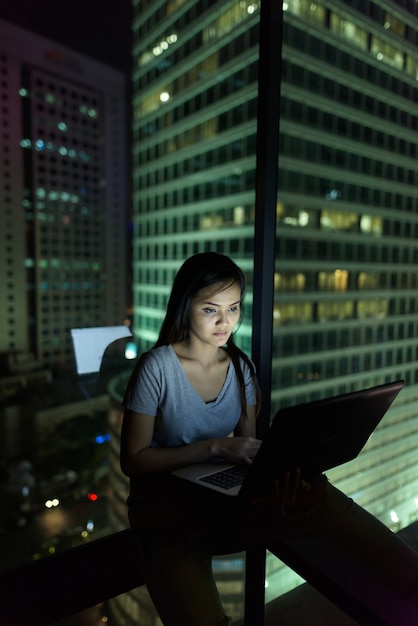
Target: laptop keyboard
{"points": [[227, 478]]}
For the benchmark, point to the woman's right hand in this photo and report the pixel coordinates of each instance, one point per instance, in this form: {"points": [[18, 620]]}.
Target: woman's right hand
{"points": [[238, 450], [139, 458]]}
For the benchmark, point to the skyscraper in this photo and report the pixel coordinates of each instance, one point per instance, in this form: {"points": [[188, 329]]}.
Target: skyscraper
{"points": [[346, 300], [345, 281], [64, 196]]}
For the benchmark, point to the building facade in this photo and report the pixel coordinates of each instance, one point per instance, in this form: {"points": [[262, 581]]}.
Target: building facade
{"points": [[345, 281], [64, 200]]}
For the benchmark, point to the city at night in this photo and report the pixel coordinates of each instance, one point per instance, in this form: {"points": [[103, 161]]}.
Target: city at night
{"points": [[135, 135]]}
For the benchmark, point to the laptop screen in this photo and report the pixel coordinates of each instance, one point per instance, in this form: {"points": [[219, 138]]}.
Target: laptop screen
{"points": [[90, 343]]}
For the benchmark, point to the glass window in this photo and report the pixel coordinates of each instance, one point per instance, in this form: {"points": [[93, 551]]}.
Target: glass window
{"points": [[394, 24], [79, 252], [412, 66], [386, 52], [349, 30], [306, 9]]}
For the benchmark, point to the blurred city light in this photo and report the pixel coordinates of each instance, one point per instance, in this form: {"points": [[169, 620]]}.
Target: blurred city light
{"points": [[51, 503]]}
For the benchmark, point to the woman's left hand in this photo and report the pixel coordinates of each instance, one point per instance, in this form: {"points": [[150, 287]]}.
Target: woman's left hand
{"points": [[293, 495]]}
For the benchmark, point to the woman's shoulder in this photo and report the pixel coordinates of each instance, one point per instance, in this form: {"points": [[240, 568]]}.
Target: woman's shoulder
{"points": [[152, 365], [157, 356], [162, 352], [242, 363]]}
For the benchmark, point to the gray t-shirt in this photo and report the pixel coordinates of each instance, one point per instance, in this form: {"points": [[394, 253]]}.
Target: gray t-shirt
{"points": [[160, 387]]}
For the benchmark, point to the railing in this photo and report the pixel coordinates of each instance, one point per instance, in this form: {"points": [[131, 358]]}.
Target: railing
{"points": [[59, 586]]}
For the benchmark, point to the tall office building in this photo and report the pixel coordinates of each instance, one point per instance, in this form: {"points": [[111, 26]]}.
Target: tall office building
{"points": [[64, 203], [345, 283]]}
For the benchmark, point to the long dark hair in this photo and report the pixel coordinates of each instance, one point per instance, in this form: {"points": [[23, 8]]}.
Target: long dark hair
{"points": [[196, 273]]}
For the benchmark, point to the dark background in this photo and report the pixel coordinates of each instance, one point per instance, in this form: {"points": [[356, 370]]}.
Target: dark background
{"points": [[100, 29]]}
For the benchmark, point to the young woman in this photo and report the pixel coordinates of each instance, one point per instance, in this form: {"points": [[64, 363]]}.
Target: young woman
{"points": [[194, 397]]}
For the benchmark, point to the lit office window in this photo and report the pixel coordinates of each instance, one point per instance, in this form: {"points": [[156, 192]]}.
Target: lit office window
{"points": [[367, 280], [373, 308], [231, 18], [294, 216], [333, 281], [348, 30], [394, 24], [337, 220], [289, 281], [210, 221], [239, 215], [306, 9], [371, 224], [173, 5], [412, 66], [387, 53], [335, 310], [295, 312]]}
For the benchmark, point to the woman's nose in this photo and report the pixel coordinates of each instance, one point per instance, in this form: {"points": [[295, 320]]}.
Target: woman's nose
{"points": [[223, 319]]}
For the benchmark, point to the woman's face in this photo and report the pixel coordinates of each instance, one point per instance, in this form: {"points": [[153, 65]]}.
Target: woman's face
{"points": [[214, 313]]}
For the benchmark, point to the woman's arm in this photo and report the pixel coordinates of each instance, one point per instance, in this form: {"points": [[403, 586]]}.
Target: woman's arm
{"points": [[138, 458]]}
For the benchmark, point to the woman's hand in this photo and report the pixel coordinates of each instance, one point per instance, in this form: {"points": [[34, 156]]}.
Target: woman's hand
{"points": [[238, 450], [293, 495], [139, 458]]}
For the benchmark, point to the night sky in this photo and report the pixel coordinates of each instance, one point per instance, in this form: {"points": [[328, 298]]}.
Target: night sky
{"points": [[100, 29]]}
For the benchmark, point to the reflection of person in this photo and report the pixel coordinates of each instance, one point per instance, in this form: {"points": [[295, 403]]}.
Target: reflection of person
{"points": [[185, 398], [114, 361]]}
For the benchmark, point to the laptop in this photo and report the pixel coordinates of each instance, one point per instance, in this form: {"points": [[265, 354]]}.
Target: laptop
{"points": [[89, 346], [315, 436]]}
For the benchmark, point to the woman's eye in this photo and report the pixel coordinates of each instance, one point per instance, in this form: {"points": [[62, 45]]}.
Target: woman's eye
{"points": [[207, 310], [234, 309]]}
